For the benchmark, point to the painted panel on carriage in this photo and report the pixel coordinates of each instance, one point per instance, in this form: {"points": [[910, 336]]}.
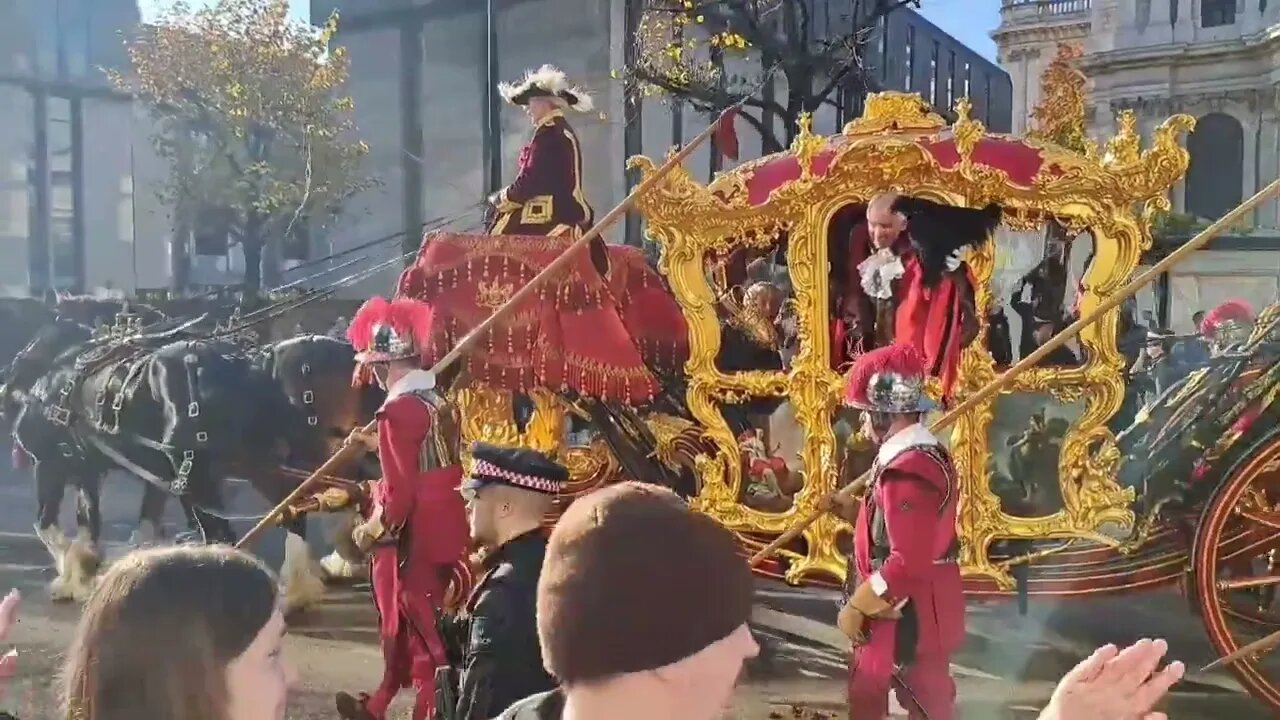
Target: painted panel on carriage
{"points": [[1025, 441]]}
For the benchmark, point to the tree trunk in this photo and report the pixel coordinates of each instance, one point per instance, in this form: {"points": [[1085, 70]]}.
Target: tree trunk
{"points": [[180, 251], [251, 243]]}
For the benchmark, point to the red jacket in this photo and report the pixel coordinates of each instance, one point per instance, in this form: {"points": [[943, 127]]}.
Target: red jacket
{"points": [[905, 538], [546, 197], [423, 511]]}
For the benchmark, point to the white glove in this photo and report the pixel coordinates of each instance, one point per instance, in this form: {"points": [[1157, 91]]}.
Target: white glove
{"points": [[953, 261]]}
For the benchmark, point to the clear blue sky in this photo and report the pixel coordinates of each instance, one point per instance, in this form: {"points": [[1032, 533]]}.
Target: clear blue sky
{"points": [[970, 21]]}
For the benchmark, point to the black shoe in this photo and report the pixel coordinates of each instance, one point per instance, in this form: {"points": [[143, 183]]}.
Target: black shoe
{"points": [[352, 708]]}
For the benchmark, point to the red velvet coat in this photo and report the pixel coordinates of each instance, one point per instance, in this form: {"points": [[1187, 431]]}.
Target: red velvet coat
{"points": [[423, 511], [914, 491], [546, 197], [930, 319]]}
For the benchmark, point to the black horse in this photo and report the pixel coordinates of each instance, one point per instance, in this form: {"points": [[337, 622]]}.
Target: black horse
{"points": [[183, 414]]}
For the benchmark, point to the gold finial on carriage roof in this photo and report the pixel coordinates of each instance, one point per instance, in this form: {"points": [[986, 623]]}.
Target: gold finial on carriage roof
{"points": [[1059, 117], [895, 112], [1126, 147], [806, 145]]}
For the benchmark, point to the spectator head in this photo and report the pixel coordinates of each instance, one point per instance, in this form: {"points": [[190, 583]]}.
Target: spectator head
{"points": [[191, 633], [1159, 341], [644, 601]]}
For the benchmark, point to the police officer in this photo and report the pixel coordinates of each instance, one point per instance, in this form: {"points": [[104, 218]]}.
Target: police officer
{"points": [[508, 491]]}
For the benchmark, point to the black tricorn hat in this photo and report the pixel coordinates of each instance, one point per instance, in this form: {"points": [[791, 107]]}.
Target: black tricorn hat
{"points": [[938, 230], [518, 467], [547, 81]]}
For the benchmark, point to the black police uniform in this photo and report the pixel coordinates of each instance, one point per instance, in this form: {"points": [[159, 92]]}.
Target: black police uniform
{"points": [[501, 661]]}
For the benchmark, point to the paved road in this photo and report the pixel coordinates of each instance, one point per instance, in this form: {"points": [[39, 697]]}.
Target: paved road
{"points": [[1007, 669]]}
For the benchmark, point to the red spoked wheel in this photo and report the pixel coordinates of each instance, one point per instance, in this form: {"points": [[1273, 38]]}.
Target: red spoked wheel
{"points": [[1236, 559]]}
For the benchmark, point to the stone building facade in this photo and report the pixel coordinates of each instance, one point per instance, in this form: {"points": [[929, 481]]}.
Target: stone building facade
{"points": [[76, 165], [1216, 60], [422, 77]]}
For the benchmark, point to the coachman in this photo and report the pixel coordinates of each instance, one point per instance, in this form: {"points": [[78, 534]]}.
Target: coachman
{"points": [[415, 525], [904, 606], [546, 198]]}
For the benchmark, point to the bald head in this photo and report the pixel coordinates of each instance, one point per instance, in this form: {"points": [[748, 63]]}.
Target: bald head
{"points": [[883, 224]]}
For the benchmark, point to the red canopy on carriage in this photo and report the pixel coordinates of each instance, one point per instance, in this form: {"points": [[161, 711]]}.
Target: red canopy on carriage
{"points": [[600, 328]]}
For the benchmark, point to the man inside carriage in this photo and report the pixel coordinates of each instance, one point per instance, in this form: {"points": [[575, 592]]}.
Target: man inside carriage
{"points": [[546, 197], [905, 282]]}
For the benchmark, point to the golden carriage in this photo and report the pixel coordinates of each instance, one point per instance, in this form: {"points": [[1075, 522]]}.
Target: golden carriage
{"points": [[900, 145], [1222, 544]]}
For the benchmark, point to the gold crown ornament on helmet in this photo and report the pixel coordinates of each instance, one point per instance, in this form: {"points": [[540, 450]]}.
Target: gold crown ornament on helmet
{"points": [[548, 82], [890, 379], [384, 330]]}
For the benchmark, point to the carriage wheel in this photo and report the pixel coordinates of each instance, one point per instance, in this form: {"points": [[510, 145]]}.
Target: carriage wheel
{"points": [[1236, 558]]}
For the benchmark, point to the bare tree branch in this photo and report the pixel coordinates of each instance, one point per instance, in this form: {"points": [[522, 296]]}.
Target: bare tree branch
{"points": [[781, 34]]}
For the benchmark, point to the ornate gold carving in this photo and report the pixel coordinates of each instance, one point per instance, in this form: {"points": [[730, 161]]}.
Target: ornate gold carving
{"points": [[885, 151], [895, 112], [1060, 115]]}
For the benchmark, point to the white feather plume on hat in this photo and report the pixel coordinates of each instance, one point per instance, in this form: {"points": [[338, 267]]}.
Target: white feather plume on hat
{"points": [[552, 83]]}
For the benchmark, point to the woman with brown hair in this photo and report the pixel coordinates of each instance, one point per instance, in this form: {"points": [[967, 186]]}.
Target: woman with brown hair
{"points": [[189, 633]]}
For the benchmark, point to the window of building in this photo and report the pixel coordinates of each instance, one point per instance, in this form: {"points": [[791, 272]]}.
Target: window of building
{"points": [[883, 50], [951, 80], [986, 98], [124, 210], [1216, 13], [968, 80], [933, 74], [1215, 177], [15, 207], [911, 58]]}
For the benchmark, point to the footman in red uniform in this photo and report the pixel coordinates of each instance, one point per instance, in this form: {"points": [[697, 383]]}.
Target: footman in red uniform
{"points": [[546, 197], [415, 526], [904, 609]]}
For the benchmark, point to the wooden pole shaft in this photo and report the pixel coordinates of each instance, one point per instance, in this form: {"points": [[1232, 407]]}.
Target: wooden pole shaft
{"points": [[856, 487], [352, 451]]}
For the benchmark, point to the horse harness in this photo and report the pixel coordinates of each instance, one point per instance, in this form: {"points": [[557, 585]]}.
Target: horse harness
{"points": [[125, 365]]}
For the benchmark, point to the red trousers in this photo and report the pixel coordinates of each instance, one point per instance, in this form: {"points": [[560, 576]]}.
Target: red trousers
{"points": [[411, 655], [928, 680]]}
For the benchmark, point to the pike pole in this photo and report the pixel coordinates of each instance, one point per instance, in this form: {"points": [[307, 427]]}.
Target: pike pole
{"points": [[351, 451], [858, 486]]}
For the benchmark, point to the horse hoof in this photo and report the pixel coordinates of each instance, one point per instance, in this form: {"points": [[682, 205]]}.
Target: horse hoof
{"points": [[60, 593]]}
